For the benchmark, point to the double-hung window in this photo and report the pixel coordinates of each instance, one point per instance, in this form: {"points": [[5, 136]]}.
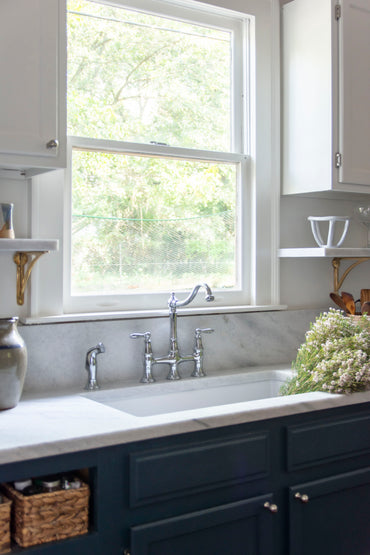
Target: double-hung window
{"points": [[170, 175]]}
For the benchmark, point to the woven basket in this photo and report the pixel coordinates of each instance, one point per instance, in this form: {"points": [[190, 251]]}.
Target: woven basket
{"points": [[47, 517], [5, 507]]}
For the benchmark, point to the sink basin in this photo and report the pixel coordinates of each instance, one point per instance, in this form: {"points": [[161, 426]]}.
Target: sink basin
{"points": [[188, 394]]}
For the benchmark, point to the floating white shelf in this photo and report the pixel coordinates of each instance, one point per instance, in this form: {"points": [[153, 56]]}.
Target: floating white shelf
{"points": [[26, 254], [324, 252], [29, 245], [336, 254]]}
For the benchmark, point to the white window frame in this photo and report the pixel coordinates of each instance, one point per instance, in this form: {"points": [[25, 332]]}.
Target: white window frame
{"points": [[258, 202]]}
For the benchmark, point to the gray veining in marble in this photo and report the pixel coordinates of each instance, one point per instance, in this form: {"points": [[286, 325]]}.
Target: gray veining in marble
{"points": [[57, 351], [66, 424]]}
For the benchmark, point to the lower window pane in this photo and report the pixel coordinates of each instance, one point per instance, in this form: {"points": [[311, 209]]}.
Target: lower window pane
{"points": [[151, 224]]}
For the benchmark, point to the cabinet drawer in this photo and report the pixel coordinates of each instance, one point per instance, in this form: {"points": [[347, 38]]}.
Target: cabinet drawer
{"points": [[326, 441], [178, 472]]}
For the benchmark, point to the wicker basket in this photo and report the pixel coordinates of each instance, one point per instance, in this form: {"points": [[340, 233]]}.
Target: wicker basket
{"points": [[46, 517], [5, 507]]}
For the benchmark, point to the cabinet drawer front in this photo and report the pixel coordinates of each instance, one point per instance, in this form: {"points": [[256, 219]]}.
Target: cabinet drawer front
{"points": [[326, 441], [178, 472], [237, 528]]}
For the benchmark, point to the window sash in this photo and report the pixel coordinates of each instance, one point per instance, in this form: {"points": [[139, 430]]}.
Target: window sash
{"points": [[140, 300], [219, 18]]}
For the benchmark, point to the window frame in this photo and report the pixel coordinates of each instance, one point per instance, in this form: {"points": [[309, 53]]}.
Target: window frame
{"points": [[258, 203]]}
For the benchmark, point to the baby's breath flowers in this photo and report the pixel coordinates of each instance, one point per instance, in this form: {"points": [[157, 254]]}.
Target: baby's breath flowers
{"points": [[334, 358]]}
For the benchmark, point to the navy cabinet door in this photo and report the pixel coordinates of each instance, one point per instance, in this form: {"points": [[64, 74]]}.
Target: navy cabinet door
{"points": [[331, 516], [240, 528]]}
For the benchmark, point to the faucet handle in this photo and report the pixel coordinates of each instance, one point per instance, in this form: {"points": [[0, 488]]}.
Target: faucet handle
{"points": [[136, 335], [198, 337], [148, 356], [199, 331], [198, 352], [147, 339]]}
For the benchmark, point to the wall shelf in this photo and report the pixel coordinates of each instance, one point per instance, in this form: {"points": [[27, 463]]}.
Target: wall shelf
{"points": [[28, 245], [26, 254], [324, 252], [337, 255]]}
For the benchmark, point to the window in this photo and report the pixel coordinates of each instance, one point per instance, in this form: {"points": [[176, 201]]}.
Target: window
{"points": [[155, 108], [173, 157]]}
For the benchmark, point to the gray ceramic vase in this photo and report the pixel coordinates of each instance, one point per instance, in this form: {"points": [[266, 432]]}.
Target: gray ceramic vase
{"points": [[13, 363]]}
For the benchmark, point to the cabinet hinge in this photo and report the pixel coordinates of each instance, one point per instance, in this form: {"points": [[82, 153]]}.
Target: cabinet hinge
{"points": [[338, 159], [338, 11]]}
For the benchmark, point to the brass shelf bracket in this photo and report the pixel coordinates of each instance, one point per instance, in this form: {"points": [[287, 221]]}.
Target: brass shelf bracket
{"points": [[338, 281], [21, 260]]}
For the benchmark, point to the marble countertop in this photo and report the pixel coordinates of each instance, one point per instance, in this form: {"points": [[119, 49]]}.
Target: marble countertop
{"points": [[71, 422]]}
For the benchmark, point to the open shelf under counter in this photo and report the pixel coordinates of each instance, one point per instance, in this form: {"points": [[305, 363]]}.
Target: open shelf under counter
{"points": [[29, 245]]}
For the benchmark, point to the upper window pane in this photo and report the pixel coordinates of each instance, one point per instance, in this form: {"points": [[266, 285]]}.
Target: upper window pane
{"points": [[139, 77]]}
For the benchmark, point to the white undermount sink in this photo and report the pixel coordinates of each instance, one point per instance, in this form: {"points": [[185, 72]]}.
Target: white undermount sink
{"points": [[188, 394]]}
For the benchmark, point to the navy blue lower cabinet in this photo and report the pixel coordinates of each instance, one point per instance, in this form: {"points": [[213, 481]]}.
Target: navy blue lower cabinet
{"points": [[331, 516], [295, 485], [240, 528]]}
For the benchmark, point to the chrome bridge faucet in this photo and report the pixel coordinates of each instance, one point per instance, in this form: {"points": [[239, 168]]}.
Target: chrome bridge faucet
{"points": [[174, 358]]}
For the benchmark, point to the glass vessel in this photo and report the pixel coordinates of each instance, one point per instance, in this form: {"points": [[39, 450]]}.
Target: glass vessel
{"points": [[13, 363], [362, 214]]}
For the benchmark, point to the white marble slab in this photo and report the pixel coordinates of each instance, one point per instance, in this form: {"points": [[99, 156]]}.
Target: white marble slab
{"points": [[70, 423], [56, 352]]}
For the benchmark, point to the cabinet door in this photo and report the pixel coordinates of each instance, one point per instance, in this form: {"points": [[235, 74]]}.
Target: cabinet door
{"points": [[354, 31], [32, 92], [331, 516], [241, 528]]}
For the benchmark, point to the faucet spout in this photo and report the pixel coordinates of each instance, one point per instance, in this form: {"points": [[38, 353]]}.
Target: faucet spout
{"points": [[173, 302]]}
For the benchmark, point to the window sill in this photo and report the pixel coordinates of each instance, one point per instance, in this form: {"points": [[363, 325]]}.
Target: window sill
{"points": [[136, 314]]}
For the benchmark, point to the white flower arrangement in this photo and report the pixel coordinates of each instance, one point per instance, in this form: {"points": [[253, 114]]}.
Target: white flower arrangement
{"points": [[335, 356]]}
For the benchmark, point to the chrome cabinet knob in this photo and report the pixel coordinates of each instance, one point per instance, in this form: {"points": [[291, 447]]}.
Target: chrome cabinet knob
{"points": [[271, 507], [301, 497], [53, 143]]}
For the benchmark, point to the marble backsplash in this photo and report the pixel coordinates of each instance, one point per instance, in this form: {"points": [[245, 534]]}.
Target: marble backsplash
{"points": [[56, 352]]}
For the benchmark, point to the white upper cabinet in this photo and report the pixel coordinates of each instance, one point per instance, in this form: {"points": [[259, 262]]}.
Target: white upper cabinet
{"points": [[33, 85], [326, 95]]}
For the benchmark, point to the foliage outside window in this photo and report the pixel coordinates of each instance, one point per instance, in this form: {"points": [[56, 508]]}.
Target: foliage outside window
{"points": [[156, 149]]}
